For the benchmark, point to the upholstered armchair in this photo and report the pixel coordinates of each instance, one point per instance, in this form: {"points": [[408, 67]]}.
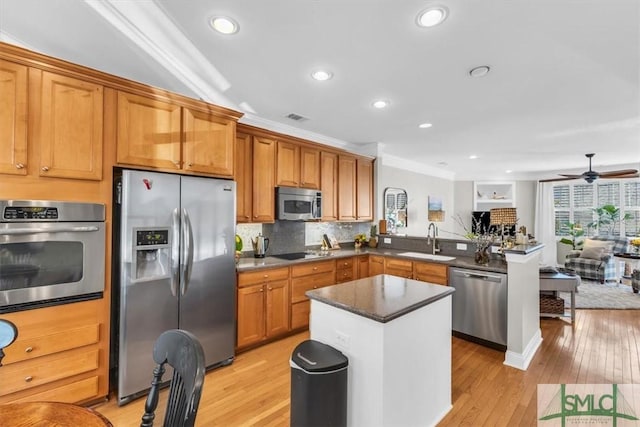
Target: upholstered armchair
{"points": [[595, 261]]}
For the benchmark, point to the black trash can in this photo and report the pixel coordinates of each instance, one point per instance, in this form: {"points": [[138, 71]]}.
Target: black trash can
{"points": [[318, 386]]}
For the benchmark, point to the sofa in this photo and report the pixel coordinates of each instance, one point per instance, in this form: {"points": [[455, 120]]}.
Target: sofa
{"points": [[591, 263]]}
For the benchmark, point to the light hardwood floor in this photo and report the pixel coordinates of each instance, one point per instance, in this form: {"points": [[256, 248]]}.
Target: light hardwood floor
{"points": [[602, 347]]}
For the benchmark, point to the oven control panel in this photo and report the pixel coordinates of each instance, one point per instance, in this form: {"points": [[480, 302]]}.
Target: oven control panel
{"points": [[30, 212]]}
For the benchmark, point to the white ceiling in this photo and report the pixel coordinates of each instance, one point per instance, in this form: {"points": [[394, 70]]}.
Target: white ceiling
{"points": [[564, 79]]}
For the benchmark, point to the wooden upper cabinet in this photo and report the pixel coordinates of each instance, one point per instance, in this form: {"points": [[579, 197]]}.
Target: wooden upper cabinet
{"points": [[71, 129], [208, 143], [364, 184], [244, 177], [310, 167], [288, 164], [148, 132], [13, 118], [329, 185], [264, 156], [346, 188]]}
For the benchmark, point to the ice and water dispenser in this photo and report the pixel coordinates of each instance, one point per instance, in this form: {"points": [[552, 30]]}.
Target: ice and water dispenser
{"points": [[151, 249]]}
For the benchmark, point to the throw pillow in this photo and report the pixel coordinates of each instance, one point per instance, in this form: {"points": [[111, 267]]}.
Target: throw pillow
{"points": [[595, 249]]}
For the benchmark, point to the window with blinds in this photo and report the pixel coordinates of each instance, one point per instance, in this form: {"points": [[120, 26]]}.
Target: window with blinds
{"points": [[575, 203]]}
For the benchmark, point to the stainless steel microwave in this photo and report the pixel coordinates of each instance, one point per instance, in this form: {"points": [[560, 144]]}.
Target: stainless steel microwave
{"points": [[298, 204]]}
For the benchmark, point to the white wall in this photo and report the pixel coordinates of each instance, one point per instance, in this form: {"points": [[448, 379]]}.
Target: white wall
{"points": [[525, 204], [418, 187]]}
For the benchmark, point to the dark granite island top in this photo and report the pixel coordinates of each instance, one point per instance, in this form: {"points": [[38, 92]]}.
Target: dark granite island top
{"points": [[381, 298]]}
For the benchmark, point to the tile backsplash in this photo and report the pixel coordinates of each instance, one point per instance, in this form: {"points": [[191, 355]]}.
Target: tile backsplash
{"points": [[296, 236]]}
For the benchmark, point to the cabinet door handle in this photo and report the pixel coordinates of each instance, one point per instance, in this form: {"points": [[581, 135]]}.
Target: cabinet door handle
{"points": [[28, 379], [261, 289], [189, 164], [19, 166], [315, 268], [266, 276], [45, 169], [28, 349], [270, 288]]}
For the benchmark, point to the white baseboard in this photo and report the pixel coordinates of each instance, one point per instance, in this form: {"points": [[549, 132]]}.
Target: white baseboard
{"points": [[521, 361]]}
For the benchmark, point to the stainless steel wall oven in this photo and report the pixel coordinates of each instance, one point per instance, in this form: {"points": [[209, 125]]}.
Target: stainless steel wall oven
{"points": [[50, 253]]}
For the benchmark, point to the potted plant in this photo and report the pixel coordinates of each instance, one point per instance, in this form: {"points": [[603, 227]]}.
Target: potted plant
{"points": [[373, 241], [572, 242], [607, 217]]}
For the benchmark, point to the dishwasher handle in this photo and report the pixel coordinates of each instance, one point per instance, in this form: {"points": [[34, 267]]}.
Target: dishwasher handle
{"points": [[478, 275]]}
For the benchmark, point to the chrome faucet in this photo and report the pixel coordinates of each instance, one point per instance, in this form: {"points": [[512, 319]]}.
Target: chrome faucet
{"points": [[433, 227]]}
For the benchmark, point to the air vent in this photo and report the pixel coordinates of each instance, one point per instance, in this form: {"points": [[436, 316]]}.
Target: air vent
{"points": [[296, 117]]}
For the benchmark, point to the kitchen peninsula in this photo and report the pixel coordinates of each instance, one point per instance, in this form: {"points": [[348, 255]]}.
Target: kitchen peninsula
{"points": [[396, 333]]}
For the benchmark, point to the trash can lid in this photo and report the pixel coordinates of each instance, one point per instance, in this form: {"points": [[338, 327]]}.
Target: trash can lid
{"points": [[314, 356]]}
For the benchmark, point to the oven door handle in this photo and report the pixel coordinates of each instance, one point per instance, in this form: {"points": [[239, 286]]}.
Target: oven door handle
{"points": [[175, 252], [187, 236], [18, 231]]}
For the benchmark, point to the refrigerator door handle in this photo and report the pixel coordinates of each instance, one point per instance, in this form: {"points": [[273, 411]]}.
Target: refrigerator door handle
{"points": [[187, 235], [175, 252]]}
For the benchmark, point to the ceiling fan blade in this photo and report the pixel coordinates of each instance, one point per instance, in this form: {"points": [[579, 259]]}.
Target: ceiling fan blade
{"points": [[571, 176], [618, 173], [627, 175], [559, 179]]}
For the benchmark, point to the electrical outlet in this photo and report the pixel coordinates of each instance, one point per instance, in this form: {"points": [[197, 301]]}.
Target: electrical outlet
{"points": [[387, 240], [461, 246], [342, 340], [495, 249]]}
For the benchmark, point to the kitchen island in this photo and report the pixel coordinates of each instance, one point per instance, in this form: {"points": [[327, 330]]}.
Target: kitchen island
{"points": [[396, 334]]}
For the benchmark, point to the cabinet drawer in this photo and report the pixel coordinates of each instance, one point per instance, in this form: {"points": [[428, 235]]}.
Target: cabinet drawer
{"points": [[261, 276], [344, 275], [376, 259], [30, 347], [77, 391], [300, 285], [428, 272], [313, 268], [344, 263], [46, 369], [300, 314], [398, 264]]}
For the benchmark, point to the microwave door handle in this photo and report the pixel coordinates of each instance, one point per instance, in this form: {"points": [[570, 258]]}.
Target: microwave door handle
{"points": [[175, 251], [314, 209], [187, 236], [18, 231]]}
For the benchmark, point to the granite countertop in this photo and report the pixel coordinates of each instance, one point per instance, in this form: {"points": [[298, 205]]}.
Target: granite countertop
{"points": [[381, 298], [248, 264]]}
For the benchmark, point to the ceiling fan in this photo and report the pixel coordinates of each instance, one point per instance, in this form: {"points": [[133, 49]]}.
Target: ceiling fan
{"points": [[592, 175]]}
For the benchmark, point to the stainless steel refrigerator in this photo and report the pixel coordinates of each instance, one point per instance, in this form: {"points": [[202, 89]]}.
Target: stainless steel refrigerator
{"points": [[174, 253]]}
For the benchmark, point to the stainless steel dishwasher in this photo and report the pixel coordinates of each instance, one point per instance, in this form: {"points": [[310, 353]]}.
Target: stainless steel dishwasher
{"points": [[479, 305]]}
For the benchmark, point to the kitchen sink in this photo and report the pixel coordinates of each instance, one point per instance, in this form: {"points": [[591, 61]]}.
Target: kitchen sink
{"points": [[427, 256]]}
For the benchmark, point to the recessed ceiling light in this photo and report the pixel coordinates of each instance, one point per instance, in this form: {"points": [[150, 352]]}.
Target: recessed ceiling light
{"points": [[381, 103], [425, 125], [480, 71], [473, 157], [432, 16], [443, 164], [224, 25], [321, 75], [508, 171]]}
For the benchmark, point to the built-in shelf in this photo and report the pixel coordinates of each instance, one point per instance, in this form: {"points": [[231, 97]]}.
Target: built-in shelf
{"points": [[493, 194]]}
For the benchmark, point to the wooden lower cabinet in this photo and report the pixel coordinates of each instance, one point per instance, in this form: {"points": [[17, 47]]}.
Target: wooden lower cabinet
{"points": [[398, 267], [363, 266], [61, 354], [305, 277], [431, 272], [263, 305], [376, 265], [346, 269]]}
